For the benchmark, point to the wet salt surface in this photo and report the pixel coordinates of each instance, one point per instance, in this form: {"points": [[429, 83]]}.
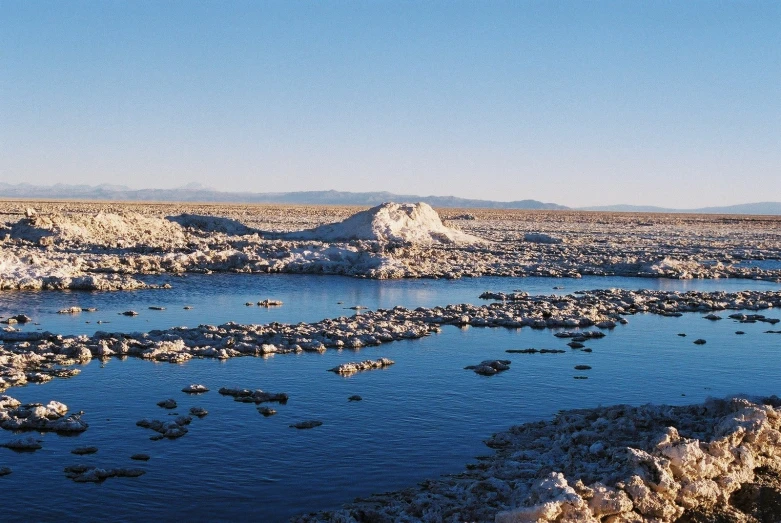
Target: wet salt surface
{"points": [[219, 298], [422, 417]]}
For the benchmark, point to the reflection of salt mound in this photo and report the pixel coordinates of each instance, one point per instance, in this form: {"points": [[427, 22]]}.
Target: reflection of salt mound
{"points": [[388, 222], [103, 229]]}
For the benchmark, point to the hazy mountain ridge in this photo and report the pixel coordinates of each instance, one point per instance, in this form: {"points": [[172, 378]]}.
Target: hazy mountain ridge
{"points": [[194, 192], [770, 208], [198, 193]]}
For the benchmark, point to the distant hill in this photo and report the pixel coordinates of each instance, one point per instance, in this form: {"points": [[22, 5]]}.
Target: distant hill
{"points": [[768, 208], [194, 192], [200, 193]]}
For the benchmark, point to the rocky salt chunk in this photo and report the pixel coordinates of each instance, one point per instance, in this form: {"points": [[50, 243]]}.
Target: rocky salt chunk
{"points": [[170, 403], [705, 462], [195, 389], [23, 444], [490, 367], [306, 424], [353, 367]]}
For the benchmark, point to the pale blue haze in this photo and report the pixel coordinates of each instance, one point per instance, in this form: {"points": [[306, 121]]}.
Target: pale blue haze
{"points": [[674, 104]]}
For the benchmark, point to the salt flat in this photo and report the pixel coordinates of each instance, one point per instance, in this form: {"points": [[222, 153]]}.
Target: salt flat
{"points": [[53, 247], [104, 245]]}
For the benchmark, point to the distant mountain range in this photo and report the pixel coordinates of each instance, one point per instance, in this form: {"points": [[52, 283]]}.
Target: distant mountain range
{"points": [[768, 208], [200, 193], [194, 192]]}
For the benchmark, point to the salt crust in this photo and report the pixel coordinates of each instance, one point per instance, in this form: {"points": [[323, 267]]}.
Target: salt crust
{"points": [[63, 249], [612, 464]]}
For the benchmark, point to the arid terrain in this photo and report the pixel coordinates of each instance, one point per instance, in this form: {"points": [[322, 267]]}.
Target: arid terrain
{"points": [[105, 244], [716, 461]]}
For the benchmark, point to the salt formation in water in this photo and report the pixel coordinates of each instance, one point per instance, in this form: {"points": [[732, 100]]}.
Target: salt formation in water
{"points": [[92, 474], [415, 223], [27, 444], [198, 411], [166, 429], [195, 388], [353, 366], [35, 356], [489, 367], [34, 270], [254, 396], [717, 461], [306, 424], [83, 451], [42, 418]]}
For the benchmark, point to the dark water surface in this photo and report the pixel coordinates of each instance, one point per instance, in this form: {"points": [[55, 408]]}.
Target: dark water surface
{"points": [[422, 417]]}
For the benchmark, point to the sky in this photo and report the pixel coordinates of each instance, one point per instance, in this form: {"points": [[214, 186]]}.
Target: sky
{"points": [[668, 103]]}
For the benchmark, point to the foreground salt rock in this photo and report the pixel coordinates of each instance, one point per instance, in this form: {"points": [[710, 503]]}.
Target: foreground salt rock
{"points": [[28, 444], [352, 367], [167, 429], [617, 464], [51, 417], [310, 424], [415, 223], [83, 451], [489, 367], [198, 412], [195, 388], [92, 474], [254, 396]]}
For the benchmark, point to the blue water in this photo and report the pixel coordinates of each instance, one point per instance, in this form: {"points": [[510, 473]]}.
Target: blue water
{"points": [[422, 417], [219, 298]]}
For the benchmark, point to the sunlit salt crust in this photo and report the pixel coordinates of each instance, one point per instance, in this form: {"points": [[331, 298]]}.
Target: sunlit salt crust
{"points": [[72, 245], [613, 464]]}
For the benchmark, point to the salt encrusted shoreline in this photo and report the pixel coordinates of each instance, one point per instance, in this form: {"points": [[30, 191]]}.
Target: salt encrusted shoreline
{"points": [[716, 461], [110, 250], [39, 356]]}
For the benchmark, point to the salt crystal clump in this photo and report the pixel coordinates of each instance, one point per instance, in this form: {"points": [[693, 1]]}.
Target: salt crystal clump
{"points": [[128, 229], [353, 367], [615, 464], [389, 222], [35, 416], [33, 272]]}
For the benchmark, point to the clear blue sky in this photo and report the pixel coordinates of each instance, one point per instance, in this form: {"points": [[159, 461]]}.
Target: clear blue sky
{"points": [[580, 103]]}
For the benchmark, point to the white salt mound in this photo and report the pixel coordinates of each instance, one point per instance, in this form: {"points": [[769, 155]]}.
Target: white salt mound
{"points": [[389, 222], [102, 229]]}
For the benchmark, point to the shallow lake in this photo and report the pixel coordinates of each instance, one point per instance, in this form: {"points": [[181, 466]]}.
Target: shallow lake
{"points": [[219, 298], [422, 417]]}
